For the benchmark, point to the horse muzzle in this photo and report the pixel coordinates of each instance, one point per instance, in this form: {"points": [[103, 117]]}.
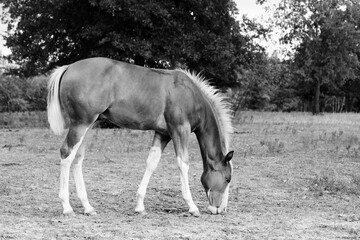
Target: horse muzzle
{"points": [[216, 210]]}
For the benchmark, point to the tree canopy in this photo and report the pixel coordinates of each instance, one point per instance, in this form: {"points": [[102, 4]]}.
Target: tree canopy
{"points": [[202, 35], [322, 73], [328, 33]]}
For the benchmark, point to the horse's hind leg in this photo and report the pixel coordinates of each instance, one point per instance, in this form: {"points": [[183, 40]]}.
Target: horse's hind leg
{"points": [[158, 145], [79, 181], [68, 152]]}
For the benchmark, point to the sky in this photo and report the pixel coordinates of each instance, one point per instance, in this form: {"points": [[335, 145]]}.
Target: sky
{"points": [[272, 44], [248, 7], [3, 50]]}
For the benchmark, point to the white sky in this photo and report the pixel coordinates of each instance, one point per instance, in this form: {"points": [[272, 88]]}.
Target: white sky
{"points": [[272, 45], [3, 27], [250, 8]]}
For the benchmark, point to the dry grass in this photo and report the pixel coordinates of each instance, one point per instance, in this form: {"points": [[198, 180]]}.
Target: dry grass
{"points": [[23, 120], [331, 140], [298, 118], [296, 176]]}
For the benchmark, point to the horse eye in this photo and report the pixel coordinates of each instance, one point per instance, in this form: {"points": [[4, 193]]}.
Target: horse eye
{"points": [[228, 180]]}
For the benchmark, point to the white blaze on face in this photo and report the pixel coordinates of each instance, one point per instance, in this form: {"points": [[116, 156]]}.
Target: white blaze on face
{"points": [[224, 202], [225, 198]]}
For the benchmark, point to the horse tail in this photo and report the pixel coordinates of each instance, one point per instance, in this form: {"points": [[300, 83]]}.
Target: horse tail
{"points": [[54, 113]]}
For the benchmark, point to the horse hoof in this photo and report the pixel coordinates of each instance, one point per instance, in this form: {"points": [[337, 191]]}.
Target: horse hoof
{"points": [[68, 214], [91, 213], [195, 213], [142, 213]]}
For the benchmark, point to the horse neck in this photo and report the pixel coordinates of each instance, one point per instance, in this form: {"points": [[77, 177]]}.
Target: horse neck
{"points": [[209, 138]]}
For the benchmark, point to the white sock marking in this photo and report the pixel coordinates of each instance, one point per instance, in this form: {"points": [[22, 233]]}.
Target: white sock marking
{"points": [[80, 186], [151, 164], [64, 177], [185, 188]]}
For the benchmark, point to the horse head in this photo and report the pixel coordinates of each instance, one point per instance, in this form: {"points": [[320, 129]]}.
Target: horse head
{"points": [[216, 181]]}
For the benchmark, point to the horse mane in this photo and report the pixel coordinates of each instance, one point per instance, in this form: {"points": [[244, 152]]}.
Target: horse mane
{"points": [[218, 103]]}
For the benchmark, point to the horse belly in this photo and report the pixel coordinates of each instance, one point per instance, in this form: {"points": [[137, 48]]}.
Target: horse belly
{"points": [[136, 115]]}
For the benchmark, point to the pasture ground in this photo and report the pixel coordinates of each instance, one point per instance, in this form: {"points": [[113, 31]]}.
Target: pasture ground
{"points": [[296, 176]]}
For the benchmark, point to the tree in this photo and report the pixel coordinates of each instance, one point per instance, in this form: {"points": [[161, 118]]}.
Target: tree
{"points": [[202, 35], [327, 34], [19, 94], [11, 94]]}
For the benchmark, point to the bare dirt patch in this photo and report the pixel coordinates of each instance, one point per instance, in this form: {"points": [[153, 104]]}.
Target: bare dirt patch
{"points": [[291, 181]]}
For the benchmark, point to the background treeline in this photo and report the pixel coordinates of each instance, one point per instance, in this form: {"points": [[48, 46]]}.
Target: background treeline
{"points": [[22, 94], [321, 71]]}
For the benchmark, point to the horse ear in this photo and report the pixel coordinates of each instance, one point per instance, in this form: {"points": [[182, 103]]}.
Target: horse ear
{"points": [[229, 156]]}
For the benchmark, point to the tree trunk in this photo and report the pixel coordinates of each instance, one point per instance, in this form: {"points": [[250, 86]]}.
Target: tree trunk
{"points": [[317, 98], [139, 60], [348, 102]]}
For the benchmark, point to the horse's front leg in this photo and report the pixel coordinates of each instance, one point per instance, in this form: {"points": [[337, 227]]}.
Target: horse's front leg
{"points": [[180, 137], [158, 145]]}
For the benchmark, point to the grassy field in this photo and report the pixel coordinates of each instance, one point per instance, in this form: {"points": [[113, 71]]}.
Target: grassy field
{"points": [[296, 176]]}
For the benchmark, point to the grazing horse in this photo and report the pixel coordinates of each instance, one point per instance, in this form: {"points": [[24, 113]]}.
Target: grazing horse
{"points": [[173, 103]]}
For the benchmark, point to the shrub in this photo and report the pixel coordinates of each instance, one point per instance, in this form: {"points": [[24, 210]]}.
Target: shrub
{"points": [[18, 94]]}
